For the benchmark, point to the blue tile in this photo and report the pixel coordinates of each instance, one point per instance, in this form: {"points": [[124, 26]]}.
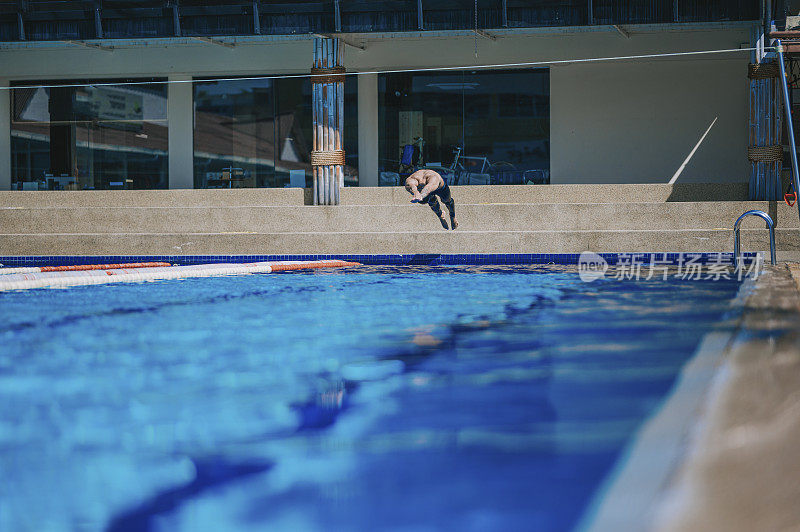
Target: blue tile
{"points": [[431, 259]]}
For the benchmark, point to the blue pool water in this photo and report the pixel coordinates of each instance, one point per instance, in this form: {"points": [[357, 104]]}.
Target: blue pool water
{"points": [[376, 398]]}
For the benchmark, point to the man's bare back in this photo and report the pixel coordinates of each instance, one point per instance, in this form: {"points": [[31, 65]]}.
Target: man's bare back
{"points": [[425, 185]]}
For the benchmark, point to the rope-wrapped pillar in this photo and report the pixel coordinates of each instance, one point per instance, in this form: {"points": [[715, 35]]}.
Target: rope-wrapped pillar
{"points": [[327, 157], [766, 150]]}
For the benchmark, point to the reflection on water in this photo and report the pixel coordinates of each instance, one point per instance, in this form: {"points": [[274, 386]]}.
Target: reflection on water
{"points": [[459, 398]]}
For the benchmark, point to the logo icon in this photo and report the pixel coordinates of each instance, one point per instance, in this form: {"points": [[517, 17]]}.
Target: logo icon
{"points": [[591, 266]]}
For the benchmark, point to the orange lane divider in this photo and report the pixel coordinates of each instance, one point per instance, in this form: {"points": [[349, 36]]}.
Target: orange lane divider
{"points": [[82, 267], [72, 277], [310, 265]]}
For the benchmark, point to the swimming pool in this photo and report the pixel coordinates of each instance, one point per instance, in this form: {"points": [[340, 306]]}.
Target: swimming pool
{"points": [[382, 397]]}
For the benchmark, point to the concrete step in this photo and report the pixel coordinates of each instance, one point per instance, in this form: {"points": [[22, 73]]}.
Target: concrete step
{"points": [[616, 193], [153, 198], [705, 240], [389, 218]]}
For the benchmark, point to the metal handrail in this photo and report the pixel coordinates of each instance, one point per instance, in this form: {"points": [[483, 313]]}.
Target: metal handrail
{"points": [[789, 125], [770, 226]]}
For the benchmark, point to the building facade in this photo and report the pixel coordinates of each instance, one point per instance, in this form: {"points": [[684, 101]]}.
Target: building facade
{"points": [[136, 95]]}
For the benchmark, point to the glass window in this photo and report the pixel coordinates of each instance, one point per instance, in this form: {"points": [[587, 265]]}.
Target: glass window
{"points": [[85, 137], [293, 109], [234, 134], [481, 127], [257, 133]]}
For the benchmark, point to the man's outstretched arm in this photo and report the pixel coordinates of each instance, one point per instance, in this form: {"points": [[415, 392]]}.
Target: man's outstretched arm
{"points": [[412, 189], [430, 187]]}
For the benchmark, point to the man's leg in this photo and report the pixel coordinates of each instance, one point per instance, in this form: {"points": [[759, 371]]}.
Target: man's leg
{"points": [[448, 200], [436, 208]]}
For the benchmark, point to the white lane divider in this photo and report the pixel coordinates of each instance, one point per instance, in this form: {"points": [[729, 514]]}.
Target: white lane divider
{"points": [[61, 279], [80, 267]]}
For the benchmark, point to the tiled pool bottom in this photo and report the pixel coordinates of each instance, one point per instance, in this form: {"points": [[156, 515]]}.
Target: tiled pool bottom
{"points": [[450, 397]]}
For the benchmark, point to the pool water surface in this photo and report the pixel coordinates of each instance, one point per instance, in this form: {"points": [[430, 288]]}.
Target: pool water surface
{"points": [[373, 398]]}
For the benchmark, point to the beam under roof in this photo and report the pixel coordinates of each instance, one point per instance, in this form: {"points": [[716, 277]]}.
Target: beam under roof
{"points": [[218, 42], [90, 45]]}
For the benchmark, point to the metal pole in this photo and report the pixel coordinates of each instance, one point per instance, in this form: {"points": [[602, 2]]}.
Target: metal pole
{"points": [[320, 135], [176, 20], [590, 17], [314, 120], [256, 19], [789, 125], [768, 22], [98, 23], [752, 116], [330, 102], [776, 105], [318, 124], [318, 129], [773, 259], [761, 140], [762, 189], [737, 249], [20, 27], [339, 119], [325, 134], [739, 261]]}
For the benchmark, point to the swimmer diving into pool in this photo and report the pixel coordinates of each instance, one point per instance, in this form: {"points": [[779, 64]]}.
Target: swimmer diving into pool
{"points": [[425, 185]]}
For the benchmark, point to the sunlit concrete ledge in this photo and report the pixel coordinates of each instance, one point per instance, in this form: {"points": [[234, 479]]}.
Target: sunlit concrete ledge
{"points": [[576, 193], [367, 243], [743, 467]]}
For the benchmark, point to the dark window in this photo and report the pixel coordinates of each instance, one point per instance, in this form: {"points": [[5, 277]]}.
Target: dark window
{"points": [[257, 133], [78, 137], [497, 122]]}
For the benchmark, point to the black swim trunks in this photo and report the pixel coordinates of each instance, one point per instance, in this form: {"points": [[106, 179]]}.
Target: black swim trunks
{"points": [[443, 192]]}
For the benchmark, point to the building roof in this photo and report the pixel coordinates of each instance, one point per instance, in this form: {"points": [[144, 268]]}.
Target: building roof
{"points": [[48, 20]]}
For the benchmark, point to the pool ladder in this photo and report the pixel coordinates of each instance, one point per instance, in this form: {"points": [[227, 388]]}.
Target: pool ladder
{"points": [[770, 226]]}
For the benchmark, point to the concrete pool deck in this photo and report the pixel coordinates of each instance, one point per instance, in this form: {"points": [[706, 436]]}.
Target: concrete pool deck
{"points": [[743, 469], [722, 452]]}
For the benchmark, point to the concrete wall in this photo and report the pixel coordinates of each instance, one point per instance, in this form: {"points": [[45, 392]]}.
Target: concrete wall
{"points": [[418, 50], [368, 130], [637, 122], [180, 119], [611, 122]]}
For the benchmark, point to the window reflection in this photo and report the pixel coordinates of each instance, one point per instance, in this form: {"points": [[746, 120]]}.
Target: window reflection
{"points": [[89, 137], [234, 134], [257, 133], [483, 127]]}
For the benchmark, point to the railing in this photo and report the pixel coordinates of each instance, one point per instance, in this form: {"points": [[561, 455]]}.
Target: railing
{"points": [[770, 225], [90, 19], [789, 124]]}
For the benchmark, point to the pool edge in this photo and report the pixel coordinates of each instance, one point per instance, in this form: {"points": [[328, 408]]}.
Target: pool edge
{"points": [[656, 482], [408, 259]]}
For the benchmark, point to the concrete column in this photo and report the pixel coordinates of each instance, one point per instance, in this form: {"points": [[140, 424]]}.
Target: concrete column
{"points": [[5, 136], [368, 130], [180, 117]]}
